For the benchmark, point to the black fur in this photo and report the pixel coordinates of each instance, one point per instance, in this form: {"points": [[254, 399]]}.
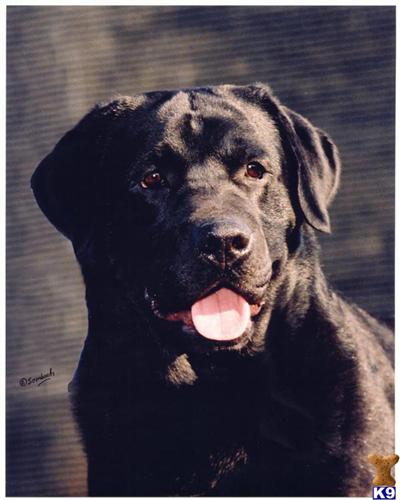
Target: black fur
{"points": [[293, 407]]}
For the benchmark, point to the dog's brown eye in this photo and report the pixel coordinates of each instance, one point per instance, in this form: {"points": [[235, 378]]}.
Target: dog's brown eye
{"points": [[152, 180], [255, 170]]}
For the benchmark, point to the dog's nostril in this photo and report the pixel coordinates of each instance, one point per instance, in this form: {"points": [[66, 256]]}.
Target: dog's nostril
{"points": [[212, 244], [239, 242]]}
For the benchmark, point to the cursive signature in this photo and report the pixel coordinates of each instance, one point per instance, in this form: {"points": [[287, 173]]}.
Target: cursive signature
{"points": [[41, 379]]}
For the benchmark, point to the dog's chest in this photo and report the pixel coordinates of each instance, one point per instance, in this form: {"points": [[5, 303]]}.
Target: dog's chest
{"points": [[195, 442]]}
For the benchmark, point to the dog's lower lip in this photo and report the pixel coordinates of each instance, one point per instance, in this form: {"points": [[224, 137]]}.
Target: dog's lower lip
{"points": [[184, 316]]}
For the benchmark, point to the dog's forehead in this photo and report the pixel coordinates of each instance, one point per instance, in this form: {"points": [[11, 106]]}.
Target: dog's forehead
{"points": [[199, 122]]}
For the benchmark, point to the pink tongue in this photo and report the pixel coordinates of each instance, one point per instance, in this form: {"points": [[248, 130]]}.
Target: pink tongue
{"points": [[223, 315]]}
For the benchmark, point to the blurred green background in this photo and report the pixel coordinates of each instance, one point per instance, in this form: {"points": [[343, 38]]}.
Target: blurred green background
{"points": [[335, 65]]}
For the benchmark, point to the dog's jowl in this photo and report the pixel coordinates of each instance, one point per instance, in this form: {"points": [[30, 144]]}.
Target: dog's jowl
{"points": [[218, 360]]}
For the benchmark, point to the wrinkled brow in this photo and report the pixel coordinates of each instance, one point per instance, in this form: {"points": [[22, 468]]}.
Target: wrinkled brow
{"points": [[233, 152]]}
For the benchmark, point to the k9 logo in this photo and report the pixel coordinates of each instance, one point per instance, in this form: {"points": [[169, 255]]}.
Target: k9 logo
{"points": [[380, 492]]}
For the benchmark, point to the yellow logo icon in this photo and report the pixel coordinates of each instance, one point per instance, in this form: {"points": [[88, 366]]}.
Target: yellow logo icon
{"points": [[383, 465]]}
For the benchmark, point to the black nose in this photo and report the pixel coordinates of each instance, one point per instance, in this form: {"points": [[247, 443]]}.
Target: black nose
{"points": [[223, 242]]}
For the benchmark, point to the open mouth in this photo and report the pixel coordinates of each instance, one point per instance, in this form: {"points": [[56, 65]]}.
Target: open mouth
{"points": [[223, 315]]}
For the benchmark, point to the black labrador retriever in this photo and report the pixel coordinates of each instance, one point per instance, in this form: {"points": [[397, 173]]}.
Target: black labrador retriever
{"points": [[218, 360]]}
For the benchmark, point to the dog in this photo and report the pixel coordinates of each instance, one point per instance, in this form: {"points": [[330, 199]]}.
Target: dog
{"points": [[218, 360]]}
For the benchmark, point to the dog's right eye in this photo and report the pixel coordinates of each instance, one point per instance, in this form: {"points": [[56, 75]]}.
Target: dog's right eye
{"points": [[152, 180]]}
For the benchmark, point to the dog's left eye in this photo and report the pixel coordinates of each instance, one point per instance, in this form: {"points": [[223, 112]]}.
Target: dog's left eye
{"points": [[255, 170], [152, 180]]}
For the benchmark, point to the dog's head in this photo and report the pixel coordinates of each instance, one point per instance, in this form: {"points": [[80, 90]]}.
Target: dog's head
{"points": [[192, 203]]}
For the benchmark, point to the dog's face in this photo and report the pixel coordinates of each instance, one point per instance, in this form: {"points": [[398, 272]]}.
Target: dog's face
{"points": [[193, 202]]}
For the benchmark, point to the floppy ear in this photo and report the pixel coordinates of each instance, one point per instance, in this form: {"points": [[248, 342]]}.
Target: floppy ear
{"points": [[315, 156], [318, 170], [65, 183]]}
